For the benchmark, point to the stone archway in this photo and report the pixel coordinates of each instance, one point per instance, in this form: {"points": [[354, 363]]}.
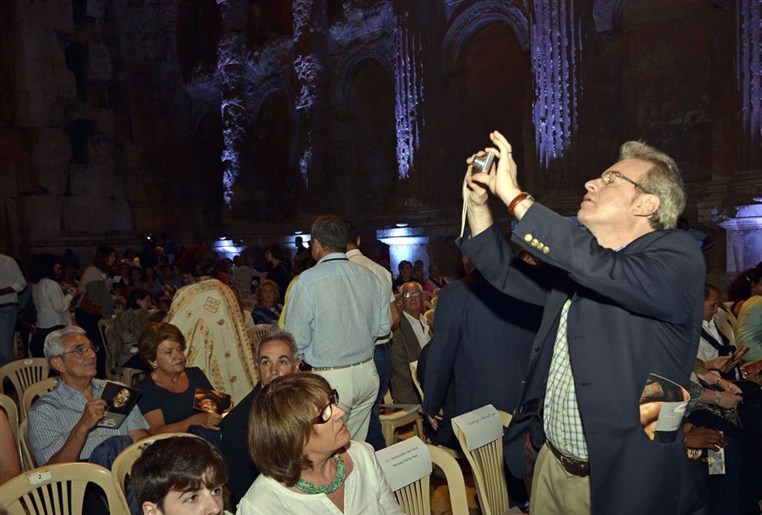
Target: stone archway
{"points": [[267, 187], [365, 156]]}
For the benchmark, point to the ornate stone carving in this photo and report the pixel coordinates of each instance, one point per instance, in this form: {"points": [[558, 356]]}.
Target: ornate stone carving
{"points": [[475, 18], [607, 15]]}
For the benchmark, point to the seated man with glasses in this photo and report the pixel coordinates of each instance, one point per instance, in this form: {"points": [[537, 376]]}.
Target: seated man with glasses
{"points": [[62, 423], [409, 338]]}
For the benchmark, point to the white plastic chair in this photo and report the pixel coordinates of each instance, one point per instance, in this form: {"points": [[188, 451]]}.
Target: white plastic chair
{"points": [[404, 415], [489, 472], [35, 391], [414, 376], [122, 464], [59, 489], [24, 372], [415, 497], [256, 333], [9, 406]]}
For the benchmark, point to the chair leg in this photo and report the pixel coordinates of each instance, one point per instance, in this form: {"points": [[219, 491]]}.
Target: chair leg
{"points": [[389, 435]]}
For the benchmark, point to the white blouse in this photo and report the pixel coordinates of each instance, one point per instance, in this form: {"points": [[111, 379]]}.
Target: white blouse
{"points": [[51, 303], [366, 492]]}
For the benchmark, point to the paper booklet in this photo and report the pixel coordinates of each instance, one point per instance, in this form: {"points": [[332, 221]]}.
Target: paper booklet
{"points": [[751, 369], [662, 406], [121, 399], [211, 401]]}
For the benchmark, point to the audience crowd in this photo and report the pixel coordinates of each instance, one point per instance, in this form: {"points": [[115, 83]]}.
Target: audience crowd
{"points": [[306, 397]]}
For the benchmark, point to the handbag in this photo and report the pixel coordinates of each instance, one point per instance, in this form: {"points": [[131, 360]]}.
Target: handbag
{"points": [[87, 305]]}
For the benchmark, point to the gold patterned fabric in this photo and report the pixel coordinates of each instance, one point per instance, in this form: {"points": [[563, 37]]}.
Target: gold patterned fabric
{"points": [[209, 317]]}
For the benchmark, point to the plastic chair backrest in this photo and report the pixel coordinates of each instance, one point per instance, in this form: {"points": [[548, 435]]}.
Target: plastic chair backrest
{"points": [[104, 329], [414, 376], [59, 489], [489, 472], [122, 464], [456, 485], [33, 392], [415, 498], [257, 332], [27, 459], [9, 406], [24, 372]]}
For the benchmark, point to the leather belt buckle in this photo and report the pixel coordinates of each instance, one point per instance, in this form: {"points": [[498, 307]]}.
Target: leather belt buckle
{"points": [[572, 466]]}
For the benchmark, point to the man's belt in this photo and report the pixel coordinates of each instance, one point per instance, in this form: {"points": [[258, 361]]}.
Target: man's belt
{"points": [[323, 369], [9, 304], [573, 466]]}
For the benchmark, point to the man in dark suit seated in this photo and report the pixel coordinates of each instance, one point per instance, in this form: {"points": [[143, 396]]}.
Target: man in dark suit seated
{"points": [[409, 338], [623, 301], [276, 356]]}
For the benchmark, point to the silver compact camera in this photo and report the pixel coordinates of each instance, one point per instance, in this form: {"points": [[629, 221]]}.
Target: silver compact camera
{"points": [[482, 164]]}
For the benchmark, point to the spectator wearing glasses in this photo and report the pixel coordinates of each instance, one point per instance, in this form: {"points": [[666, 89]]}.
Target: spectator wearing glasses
{"points": [[301, 445], [409, 338], [621, 301], [62, 423]]}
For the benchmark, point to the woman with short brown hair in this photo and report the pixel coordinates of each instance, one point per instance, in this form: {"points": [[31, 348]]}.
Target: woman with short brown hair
{"points": [[300, 444], [169, 389]]}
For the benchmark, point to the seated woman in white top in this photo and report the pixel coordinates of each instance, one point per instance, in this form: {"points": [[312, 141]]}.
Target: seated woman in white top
{"points": [[51, 303], [308, 465]]}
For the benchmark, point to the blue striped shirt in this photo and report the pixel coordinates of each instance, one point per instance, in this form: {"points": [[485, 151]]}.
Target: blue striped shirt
{"points": [[54, 415]]}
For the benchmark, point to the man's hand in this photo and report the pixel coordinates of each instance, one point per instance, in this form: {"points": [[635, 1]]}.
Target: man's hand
{"points": [[505, 184], [208, 420], [94, 411], [476, 186], [728, 400], [716, 363], [704, 438], [436, 419], [729, 386]]}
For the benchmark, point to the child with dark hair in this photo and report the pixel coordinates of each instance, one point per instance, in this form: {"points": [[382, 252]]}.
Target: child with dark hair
{"points": [[179, 475]]}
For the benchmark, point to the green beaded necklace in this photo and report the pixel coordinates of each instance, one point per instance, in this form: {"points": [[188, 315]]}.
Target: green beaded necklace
{"points": [[309, 488]]}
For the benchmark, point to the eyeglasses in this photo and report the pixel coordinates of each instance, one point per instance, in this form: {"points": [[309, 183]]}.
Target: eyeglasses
{"points": [[81, 350], [409, 294], [609, 175], [327, 412]]}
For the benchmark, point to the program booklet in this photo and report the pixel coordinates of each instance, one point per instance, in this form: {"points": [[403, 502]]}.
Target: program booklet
{"points": [[751, 369], [121, 399], [662, 406], [211, 401]]}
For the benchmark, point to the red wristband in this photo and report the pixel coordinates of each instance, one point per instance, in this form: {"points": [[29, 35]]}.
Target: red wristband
{"points": [[517, 200]]}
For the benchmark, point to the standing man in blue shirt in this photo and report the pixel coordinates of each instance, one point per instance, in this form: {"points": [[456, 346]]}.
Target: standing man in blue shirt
{"points": [[337, 310]]}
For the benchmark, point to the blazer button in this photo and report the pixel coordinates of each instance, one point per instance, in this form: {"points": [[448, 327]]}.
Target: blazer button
{"points": [[527, 238], [545, 249], [537, 349], [535, 242]]}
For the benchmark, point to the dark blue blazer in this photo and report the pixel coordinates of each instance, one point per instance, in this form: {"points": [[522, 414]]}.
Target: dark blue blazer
{"points": [[482, 340], [633, 312]]}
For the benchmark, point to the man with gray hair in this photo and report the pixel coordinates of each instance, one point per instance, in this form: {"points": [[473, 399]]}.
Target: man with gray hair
{"points": [[277, 355], [622, 301], [337, 310], [62, 423]]}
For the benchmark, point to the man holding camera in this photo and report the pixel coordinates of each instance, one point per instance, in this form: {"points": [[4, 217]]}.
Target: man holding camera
{"points": [[623, 301]]}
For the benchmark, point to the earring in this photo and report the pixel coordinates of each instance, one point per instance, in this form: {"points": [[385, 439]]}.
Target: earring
{"points": [[154, 365]]}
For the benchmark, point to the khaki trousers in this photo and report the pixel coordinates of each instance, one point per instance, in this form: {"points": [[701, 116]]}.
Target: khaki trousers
{"points": [[555, 491]]}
